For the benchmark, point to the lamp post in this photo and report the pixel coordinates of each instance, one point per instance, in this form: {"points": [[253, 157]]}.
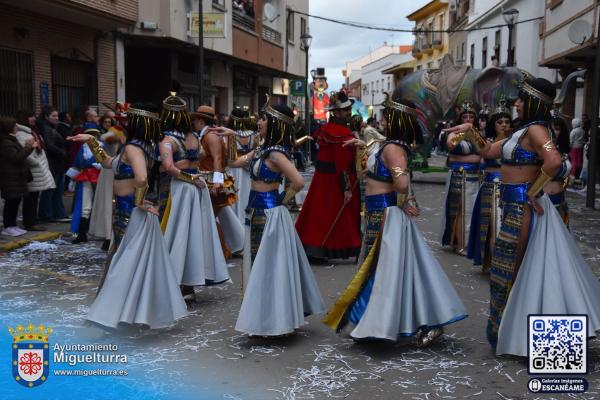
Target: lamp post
{"points": [[510, 16], [306, 40], [372, 106], [200, 51], [590, 201]]}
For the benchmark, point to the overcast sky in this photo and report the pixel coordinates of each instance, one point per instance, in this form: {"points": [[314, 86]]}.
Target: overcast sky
{"points": [[333, 44]]}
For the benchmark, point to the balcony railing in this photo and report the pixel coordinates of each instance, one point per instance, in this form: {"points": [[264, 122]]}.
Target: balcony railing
{"points": [[427, 46], [243, 21], [437, 40], [271, 35]]}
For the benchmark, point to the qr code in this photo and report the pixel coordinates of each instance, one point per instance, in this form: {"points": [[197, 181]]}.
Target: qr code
{"points": [[557, 344]]}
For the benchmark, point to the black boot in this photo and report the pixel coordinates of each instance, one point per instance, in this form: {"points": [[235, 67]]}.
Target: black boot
{"points": [[188, 293], [84, 225], [106, 245]]}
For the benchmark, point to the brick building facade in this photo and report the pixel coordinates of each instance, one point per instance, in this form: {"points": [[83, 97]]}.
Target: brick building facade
{"points": [[60, 52]]}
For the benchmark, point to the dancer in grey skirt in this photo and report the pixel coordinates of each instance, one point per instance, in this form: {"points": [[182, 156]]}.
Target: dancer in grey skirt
{"points": [[102, 208], [140, 286], [400, 288], [536, 266], [188, 222], [281, 288]]}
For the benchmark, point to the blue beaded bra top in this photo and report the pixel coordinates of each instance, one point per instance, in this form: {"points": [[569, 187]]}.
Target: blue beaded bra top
{"points": [[125, 171], [513, 152], [178, 138], [259, 171], [376, 168]]}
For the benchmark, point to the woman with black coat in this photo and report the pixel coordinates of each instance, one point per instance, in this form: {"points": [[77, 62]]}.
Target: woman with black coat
{"points": [[51, 201], [15, 173]]}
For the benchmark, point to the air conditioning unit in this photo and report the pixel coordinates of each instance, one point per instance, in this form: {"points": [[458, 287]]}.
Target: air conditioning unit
{"points": [[148, 25]]}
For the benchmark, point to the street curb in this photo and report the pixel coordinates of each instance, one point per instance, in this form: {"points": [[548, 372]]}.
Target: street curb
{"points": [[18, 243]]}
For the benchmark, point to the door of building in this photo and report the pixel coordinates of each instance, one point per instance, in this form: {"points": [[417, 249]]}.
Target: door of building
{"points": [[16, 82], [73, 84]]}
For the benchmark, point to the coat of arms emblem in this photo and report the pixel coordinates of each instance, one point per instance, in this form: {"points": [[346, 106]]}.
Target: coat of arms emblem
{"points": [[30, 354]]}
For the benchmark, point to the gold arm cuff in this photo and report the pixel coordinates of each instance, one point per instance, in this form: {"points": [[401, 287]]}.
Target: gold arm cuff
{"points": [[473, 136], [539, 184], [139, 195], [361, 159], [185, 177], [402, 197], [97, 150], [303, 139], [289, 194], [397, 172], [459, 137]]}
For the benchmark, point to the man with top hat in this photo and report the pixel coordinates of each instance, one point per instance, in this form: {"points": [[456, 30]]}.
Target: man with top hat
{"points": [[320, 96], [329, 223]]}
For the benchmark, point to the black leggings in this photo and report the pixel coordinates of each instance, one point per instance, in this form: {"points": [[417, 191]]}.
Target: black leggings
{"points": [[11, 207], [30, 208]]}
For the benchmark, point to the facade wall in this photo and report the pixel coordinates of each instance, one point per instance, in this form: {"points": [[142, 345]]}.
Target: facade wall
{"points": [[126, 9], [45, 37], [557, 20], [245, 45], [107, 89], [296, 56], [430, 47], [457, 41], [564, 56], [171, 17], [375, 83], [256, 48], [525, 37], [376, 54]]}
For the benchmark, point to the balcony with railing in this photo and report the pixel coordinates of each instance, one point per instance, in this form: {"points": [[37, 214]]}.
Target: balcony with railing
{"points": [[416, 52], [427, 45], [271, 35], [241, 20], [437, 41]]}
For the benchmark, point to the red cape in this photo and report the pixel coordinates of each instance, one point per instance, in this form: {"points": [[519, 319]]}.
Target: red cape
{"points": [[325, 198]]}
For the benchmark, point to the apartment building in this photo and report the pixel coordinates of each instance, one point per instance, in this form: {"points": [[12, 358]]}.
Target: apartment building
{"points": [[61, 52], [249, 52], [431, 43]]}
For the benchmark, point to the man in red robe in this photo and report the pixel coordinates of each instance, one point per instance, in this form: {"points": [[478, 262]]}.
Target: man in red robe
{"points": [[329, 223]]}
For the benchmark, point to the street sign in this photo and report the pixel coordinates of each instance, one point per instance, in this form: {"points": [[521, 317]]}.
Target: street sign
{"points": [[213, 27], [44, 94], [298, 87]]}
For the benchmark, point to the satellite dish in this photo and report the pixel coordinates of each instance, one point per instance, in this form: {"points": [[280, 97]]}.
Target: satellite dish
{"points": [[580, 31], [270, 12]]}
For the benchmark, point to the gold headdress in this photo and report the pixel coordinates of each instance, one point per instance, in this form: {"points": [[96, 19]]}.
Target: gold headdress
{"points": [[142, 113], [174, 115], [468, 107], [143, 124], [281, 122], [276, 114], [388, 103], [502, 108], [405, 121], [242, 123], [533, 92], [168, 103]]}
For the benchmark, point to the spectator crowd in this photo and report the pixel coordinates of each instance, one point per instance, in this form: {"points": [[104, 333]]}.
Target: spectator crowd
{"points": [[35, 157]]}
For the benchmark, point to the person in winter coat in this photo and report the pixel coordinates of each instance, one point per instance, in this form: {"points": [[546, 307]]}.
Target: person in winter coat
{"points": [[577, 141], [38, 165], [51, 201], [15, 173]]}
